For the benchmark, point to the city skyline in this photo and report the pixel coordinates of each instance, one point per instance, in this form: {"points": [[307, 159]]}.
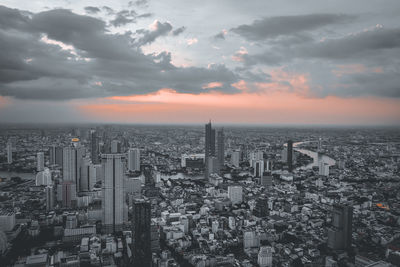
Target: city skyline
{"points": [[269, 63]]}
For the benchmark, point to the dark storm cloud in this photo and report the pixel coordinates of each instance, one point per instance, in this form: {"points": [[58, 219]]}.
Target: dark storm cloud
{"points": [[92, 10], [362, 45], [149, 36], [60, 55], [286, 25], [354, 45], [179, 30]]}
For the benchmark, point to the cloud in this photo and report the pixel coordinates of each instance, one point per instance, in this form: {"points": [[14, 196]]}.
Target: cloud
{"points": [[92, 10], [124, 17], [179, 30], [60, 55], [158, 29], [221, 35], [192, 41], [272, 27], [138, 3]]}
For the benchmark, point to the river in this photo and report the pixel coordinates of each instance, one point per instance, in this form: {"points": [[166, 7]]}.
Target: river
{"points": [[317, 157]]}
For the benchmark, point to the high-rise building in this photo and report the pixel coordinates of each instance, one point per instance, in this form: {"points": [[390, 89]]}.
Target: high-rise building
{"points": [[265, 257], [67, 189], [221, 148], [56, 155], [290, 155], [323, 168], [258, 168], [235, 158], [134, 187], [115, 146], [341, 230], [134, 159], [94, 147], [86, 181], [209, 141], [72, 160], [113, 197], [235, 194], [40, 161], [49, 197], [212, 166], [9, 153], [141, 231]]}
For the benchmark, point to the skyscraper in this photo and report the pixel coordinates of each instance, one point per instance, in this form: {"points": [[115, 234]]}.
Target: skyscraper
{"points": [[72, 160], [340, 232], [113, 197], [68, 193], [221, 148], [258, 168], [56, 155], [94, 147], [141, 230], [209, 141], [49, 197], [235, 158], [40, 161], [9, 153], [115, 146], [209, 148], [290, 155], [134, 159]]}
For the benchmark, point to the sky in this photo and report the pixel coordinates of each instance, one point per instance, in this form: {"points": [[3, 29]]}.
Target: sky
{"points": [[331, 62]]}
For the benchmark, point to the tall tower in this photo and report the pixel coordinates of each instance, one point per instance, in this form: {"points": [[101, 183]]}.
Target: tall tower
{"points": [[221, 148], [141, 230], [94, 147], [49, 198], [9, 153], [134, 159], [265, 257], [40, 161], [209, 154], [290, 155], [340, 232], [72, 160], [113, 194], [210, 141]]}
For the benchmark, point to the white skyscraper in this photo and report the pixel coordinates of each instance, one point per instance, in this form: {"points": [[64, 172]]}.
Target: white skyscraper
{"points": [[40, 161], [134, 159], [265, 257], [9, 153], [113, 194], [235, 194], [115, 146]]}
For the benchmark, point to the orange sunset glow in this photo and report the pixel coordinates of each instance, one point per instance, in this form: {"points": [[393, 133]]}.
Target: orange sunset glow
{"points": [[272, 108]]}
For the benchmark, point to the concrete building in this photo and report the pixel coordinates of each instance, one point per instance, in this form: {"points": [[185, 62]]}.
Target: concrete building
{"points": [[134, 159], [235, 194], [40, 161], [113, 194]]}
